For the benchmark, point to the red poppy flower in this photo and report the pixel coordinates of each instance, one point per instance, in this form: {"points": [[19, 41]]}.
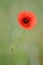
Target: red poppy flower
{"points": [[27, 20]]}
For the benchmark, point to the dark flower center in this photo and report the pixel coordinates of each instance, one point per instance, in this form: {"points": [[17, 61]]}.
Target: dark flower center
{"points": [[26, 21]]}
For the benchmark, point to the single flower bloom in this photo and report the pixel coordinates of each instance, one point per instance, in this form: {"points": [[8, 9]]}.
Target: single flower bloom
{"points": [[27, 20]]}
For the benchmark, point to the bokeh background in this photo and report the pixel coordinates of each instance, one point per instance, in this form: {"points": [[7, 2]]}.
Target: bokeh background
{"points": [[19, 46]]}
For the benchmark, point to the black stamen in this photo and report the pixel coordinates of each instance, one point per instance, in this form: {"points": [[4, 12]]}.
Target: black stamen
{"points": [[25, 20]]}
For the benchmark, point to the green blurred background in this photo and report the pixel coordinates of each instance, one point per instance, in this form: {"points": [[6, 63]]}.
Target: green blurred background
{"points": [[19, 46]]}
